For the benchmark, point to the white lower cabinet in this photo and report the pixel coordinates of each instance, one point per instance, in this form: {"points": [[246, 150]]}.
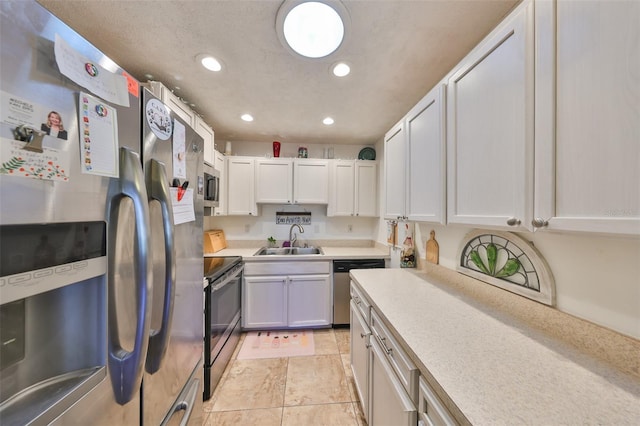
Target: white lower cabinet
{"points": [[388, 401], [385, 378], [359, 353], [431, 412], [264, 302], [309, 301], [298, 296]]}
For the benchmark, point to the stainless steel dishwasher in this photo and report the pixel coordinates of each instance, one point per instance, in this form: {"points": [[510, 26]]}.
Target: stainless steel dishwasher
{"points": [[341, 281]]}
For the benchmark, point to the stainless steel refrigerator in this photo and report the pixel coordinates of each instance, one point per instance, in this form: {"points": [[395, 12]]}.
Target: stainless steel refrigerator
{"points": [[100, 272]]}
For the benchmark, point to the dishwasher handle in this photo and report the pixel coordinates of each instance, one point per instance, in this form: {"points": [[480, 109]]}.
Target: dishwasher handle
{"points": [[347, 265]]}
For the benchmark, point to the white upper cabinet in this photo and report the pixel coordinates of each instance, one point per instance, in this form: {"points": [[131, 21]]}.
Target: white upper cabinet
{"points": [[366, 185], [588, 169], [274, 181], [394, 172], [172, 101], [240, 186], [310, 181], [342, 180], [354, 188], [426, 158], [207, 134], [490, 129], [292, 181]]}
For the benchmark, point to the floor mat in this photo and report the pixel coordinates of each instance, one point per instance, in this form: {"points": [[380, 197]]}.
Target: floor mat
{"points": [[277, 344]]}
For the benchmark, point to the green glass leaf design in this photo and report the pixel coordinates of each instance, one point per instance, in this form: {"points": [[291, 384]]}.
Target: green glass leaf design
{"points": [[509, 268], [477, 260], [492, 258]]}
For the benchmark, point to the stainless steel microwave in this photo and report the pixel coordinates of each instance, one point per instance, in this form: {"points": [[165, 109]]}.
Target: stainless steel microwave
{"points": [[211, 186]]}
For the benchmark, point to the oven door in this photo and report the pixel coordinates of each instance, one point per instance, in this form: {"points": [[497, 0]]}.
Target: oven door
{"points": [[222, 311]]}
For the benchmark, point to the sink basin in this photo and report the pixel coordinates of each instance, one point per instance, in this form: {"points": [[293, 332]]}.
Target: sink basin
{"points": [[306, 250], [288, 251]]}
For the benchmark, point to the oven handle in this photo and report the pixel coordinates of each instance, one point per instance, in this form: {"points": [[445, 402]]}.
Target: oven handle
{"points": [[126, 368], [158, 186], [230, 276]]}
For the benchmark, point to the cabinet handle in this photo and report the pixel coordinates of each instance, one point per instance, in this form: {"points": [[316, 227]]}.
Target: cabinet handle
{"points": [[368, 345], [363, 335], [384, 345], [539, 222], [512, 221]]}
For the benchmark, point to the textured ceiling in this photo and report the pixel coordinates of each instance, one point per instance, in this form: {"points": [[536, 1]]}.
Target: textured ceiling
{"points": [[397, 50]]}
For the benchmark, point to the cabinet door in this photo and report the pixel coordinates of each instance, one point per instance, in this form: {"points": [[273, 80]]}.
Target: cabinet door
{"points": [[342, 197], [366, 185], [178, 106], [359, 353], [394, 172], [207, 134], [388, 401], [240, 186], [274, 181], [490, 129], [426, 147], [220, 164], [311, 181], [309, 300], [588, 178], [264, 302]]}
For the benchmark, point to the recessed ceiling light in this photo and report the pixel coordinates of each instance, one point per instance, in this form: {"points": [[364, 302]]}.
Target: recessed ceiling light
{"points": [[341, 69], [247, 117], [209, 62], [313, 29], [328, 121]]}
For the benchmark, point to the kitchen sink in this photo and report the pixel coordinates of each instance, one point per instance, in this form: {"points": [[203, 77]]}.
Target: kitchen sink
{"points": [[288, 251]]}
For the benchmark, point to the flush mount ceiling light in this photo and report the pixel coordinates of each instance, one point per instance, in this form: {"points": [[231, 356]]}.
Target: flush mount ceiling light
{"points": [[209, 62], [312, 29], [328, 121], [341, 69], [246, 117]]}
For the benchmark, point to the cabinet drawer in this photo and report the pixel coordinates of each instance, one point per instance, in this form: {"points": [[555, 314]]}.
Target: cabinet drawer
{"points": [[406, 370], [362, 304], [389, 403], [287, 268], [430, 410]]}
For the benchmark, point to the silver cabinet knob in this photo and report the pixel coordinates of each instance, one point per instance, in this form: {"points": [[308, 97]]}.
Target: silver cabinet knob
{"points": [[539, 222], [513, 221]]}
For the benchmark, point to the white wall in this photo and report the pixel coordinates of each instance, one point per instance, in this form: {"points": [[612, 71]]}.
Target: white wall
{"points": [[597, 277], [321, 228]]}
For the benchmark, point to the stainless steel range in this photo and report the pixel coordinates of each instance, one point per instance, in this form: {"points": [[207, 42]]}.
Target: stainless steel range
{"points": [[221, 316]]}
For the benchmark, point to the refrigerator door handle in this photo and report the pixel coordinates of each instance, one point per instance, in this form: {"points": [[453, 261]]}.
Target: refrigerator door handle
{"points": [[158, 186], [126, 368], [185, 404]]}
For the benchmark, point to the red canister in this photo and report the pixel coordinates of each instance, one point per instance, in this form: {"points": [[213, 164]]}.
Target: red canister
{"points": [[276, 149]]}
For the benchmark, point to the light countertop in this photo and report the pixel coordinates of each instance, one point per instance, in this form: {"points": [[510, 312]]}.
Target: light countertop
{"points": [[330, 253], [490, 367]]}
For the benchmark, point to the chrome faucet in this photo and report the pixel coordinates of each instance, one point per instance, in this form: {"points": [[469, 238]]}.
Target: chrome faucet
{"points": [[295, 237]]}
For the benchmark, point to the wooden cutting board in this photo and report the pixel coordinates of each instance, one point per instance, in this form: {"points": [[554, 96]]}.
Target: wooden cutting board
{"points": [[214, 241], [433, 249]]}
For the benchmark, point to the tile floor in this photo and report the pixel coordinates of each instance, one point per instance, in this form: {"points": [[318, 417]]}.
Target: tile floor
{"points": [[304, 390]]}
